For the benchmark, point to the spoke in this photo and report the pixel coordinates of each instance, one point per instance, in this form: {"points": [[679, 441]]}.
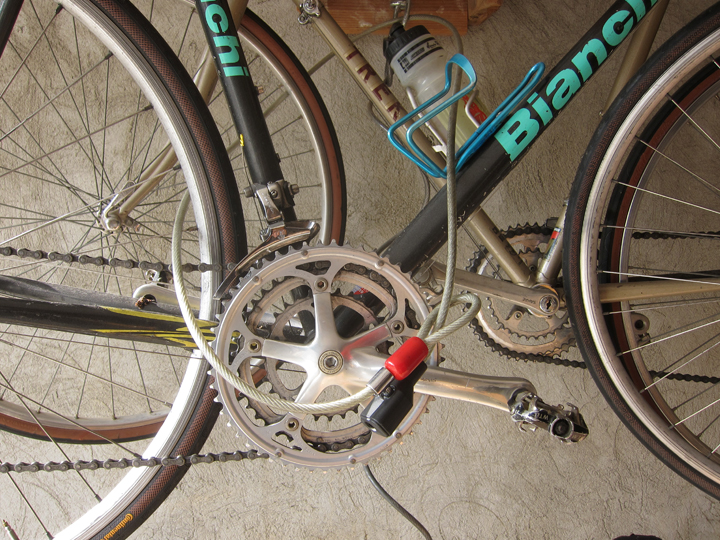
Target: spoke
{"points": [[285, 126], [57, 370], [86, 372], [104, 181], [695, 357], [48, 223], [674, 199], [70, 420], [36, 162], [684, 331], [704, 182], [51, 100], [74, 141], [30, 506], [708, 406], [72, 213], [112, 384], [35, 419], [694, 123], [637, 308], [20, 360], [663, 277], [688, 400], [32, 49]]}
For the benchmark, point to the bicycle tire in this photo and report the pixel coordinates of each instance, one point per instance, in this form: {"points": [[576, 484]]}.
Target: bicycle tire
{"points": [[322, 195], [218, 237], [645, 213]]}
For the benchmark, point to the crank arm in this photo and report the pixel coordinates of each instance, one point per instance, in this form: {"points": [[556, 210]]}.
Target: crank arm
{"points": [[496, 392], [541, 300], [514, 395]]}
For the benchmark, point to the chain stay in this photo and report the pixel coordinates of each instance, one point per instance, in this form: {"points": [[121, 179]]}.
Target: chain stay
{"points": [[178, 461]]}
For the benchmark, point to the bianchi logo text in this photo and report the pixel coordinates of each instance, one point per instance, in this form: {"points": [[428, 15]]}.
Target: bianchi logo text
{"points": [[520, 130]]}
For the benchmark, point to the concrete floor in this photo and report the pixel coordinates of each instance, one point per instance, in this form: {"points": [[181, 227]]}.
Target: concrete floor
{"points": [[466, 472]]}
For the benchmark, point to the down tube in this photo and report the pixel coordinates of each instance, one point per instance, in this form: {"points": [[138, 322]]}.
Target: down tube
{"points": [[426, 234]]}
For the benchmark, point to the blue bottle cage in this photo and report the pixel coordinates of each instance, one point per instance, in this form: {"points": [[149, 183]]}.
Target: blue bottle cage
{"points": [[482, 134]]}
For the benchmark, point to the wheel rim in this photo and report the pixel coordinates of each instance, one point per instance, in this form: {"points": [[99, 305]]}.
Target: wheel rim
{"points": [[622, 325]]}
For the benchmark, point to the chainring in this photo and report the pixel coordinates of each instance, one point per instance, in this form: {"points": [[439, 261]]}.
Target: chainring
{"points": [[313, 325], [509, 329]]}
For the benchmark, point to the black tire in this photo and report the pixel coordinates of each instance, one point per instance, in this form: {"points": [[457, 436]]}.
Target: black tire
{"points": [[644, 202]]}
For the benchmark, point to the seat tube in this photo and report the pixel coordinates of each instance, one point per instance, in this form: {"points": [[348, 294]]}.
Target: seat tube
{"points": [[262, 161]]}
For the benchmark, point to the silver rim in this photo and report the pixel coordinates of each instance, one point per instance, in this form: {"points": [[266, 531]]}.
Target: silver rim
{"points": [[655, 356]]}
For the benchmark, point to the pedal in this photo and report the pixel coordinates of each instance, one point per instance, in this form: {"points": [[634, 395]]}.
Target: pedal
{"points": [[565, 424]]}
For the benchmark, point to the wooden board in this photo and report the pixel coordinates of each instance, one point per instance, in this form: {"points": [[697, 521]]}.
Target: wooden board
{"points": [[479, 10], [355, 16]]}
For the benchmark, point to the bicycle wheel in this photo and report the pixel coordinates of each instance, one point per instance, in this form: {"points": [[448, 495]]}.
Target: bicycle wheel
{"points": [[92, 96], [646, 201], [305, 139]]}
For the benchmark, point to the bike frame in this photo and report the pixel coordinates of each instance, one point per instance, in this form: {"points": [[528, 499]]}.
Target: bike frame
{"points": [[414, 246], [493, 162]]}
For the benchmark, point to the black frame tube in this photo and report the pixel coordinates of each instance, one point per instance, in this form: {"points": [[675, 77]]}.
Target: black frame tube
{"points": [[220, 32]]}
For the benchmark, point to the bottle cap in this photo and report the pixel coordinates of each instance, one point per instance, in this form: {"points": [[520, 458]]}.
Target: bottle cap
{"points": [[399, 38]]}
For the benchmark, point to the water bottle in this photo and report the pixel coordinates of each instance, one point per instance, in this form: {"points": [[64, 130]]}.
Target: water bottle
{"points": [[419, 61]]}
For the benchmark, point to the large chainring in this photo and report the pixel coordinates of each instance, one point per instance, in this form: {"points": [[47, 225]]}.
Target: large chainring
{"points": [[509, 329], [314, 325]]}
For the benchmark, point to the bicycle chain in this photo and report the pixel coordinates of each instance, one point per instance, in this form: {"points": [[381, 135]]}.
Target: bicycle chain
{"points": [[223, 457], [157, 266], [137, 462], [555, 360], [82, 465], [667, 236]]}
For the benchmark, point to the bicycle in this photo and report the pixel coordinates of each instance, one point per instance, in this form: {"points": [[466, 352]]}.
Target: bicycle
{"points": [[203, 259]]}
